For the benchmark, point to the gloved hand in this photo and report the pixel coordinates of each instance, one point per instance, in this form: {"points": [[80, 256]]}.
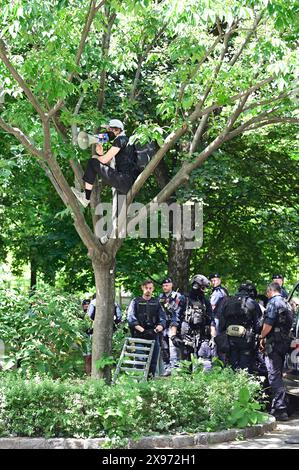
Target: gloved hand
{"points": [[148, 334], [177, 342]]}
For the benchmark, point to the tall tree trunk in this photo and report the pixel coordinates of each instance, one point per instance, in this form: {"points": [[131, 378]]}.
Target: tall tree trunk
{"points": [[179, 264], [178, 256], [104, 272], [33, 274]]}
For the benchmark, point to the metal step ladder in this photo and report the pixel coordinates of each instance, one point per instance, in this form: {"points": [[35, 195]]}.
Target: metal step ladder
{"points": [[135, 359]]}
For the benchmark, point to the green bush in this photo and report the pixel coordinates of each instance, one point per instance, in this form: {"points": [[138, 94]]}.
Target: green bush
{"points": [[197, 402], [43, 333]]}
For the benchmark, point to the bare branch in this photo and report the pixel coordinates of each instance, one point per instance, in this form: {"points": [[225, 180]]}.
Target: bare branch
{"points": [[22, 138], [202, 60], [53, 181], [78, 171], [83, 229], [247, 39], [74, 126], [271, 100], [141, 59], [33, 100], [93, 9], [217, 68], [99, 6], [253, 120], [257, 125], [105, 52], [59, 126], [199, 133], [183, 174], [172, 139], [136, 79], [199, 113]]}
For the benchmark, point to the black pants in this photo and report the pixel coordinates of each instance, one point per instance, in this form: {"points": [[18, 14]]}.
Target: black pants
{"points": [[274, 363], [241, 355], [122, 182]]}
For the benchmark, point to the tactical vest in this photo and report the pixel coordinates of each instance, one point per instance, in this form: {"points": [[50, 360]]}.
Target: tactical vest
{"points": [[196, 314], [168, 303], [284, 322], [147, 312], [236, 312]]}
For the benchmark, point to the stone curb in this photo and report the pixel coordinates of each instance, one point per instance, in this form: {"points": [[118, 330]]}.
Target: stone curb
{"points": [[178, 441]]}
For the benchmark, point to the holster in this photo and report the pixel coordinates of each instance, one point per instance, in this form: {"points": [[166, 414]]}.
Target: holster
{"points": [[222, 343], [269, 345]]}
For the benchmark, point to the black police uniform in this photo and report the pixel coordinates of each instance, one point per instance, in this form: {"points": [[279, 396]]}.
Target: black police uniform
{"points": [[237, 312], [148, 314], [195, 328], [280, 316], [123, 176], [283, 292], [174, 305]]}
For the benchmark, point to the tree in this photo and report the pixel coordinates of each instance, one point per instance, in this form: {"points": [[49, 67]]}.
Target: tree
{"points": [[229, 69]]}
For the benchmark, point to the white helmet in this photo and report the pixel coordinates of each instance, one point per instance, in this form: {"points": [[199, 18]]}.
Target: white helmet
{"points": [[116, 123]]}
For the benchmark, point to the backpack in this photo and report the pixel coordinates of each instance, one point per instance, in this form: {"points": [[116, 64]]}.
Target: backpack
{"points": [[234, 311], [142, 154]]}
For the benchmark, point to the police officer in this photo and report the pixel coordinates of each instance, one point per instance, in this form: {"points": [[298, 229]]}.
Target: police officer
{"points": [[279, 279], [173, 304], [147, 319], [218, 294], [239, 321], [275, 342], [196, 324], [218, 291]]}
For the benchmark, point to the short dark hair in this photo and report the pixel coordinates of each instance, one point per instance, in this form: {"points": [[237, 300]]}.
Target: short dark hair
{"points": [[274, 286], [146, 282]]}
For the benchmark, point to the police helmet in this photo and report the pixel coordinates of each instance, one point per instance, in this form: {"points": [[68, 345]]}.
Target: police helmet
{"points": [[277, 276], [199, 281], [249, 288]]}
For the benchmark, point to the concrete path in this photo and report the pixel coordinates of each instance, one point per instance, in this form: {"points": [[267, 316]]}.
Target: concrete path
{"points": [[272, 440]]}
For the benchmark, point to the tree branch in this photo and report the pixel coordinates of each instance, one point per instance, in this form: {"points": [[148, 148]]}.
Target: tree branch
{"points": [[33, 100], [263, 123], [247, 39], [202, 60], [218, 66], [22, 138], [172, 138], [187, 168], [78, 171], [199, 133], [253, 120], [74, 126], [141, 59], [105, 52], [83, 229], [93, 9], [271, 100]]}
